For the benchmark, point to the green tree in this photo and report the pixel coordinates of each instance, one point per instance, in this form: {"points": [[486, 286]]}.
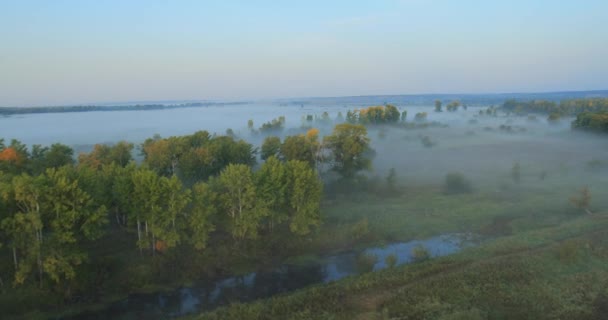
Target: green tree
{"points": [[438, 106], [240, 202], [348, 145], [24, 227], [200, 224], [56, 156], [272, 187], [145, 198], [73, 218], [305, 190], [120, 153], [270, 147], [299, 148], [167, 224]]}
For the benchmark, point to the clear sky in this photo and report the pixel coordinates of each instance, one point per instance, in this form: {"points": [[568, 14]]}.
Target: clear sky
{"points": [[85, 51]]}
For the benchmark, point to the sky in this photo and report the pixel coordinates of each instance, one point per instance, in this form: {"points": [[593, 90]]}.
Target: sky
{"points": [[65, 52]]}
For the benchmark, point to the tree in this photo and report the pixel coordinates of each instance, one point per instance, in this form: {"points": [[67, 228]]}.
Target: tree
{"points": [[270, 147], [349, 144], [166, 226], [240, 202], [53, 218], [73, 218], [14, 157], [24, 227], [272, 187], [305, 189], [56, 156], [275, 125], [403, 115], [298, 148], [438, 106], [163, 155], [145, 199], [119, 189], [453, 106], [196, 157], [121, 153], [102, 154], [202, 211]]}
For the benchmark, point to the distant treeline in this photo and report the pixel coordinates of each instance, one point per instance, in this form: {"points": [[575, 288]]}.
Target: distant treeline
{"points": [[62, 109], [590, 121], [564, 107], [471, 100]]}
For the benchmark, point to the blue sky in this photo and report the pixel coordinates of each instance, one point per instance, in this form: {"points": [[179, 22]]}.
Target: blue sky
{"points": [[84, 51]]}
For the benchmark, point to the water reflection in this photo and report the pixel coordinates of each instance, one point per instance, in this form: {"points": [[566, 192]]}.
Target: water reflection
{"points": [[264, 284]]}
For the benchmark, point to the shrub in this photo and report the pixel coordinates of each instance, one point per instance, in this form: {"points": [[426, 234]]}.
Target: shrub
{"points": [[420, 253], [391, 260], [455, 183]]}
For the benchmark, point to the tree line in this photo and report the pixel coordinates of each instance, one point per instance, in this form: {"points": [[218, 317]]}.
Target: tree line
{"points": [[564, 107]]}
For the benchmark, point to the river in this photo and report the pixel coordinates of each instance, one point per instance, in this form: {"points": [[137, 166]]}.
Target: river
{"points": [[263, 284]]}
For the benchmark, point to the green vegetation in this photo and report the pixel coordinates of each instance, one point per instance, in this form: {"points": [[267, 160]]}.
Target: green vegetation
{"points": [[391, 260], [420, 253], [348, 144], [138, 107], [438, 106], [593, 122], [375, 115], [564, 107]]}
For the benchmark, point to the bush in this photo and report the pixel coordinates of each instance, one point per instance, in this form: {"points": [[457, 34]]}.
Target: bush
{"points": [[455, 183], [420, 253], [391, 260]]}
